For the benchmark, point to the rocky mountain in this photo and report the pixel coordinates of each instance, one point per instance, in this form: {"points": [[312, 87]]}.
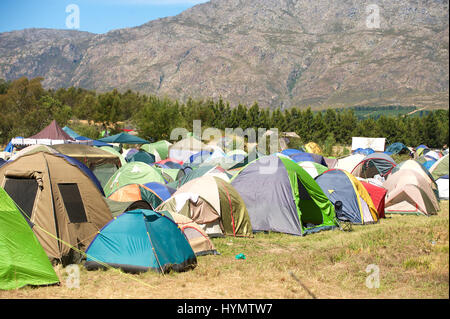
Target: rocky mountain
{"points": [[317, 53]]}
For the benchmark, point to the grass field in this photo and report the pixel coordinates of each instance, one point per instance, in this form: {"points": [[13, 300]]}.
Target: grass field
{"points": [[411, 253]]}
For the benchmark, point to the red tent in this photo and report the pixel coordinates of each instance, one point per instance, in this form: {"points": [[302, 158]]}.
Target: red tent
{"points": [[53, 132], [378, 195]]}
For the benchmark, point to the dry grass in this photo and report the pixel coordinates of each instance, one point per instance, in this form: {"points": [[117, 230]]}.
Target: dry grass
{"points": [[412, 253]]}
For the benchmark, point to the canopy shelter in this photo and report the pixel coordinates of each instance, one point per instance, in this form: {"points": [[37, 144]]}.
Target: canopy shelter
{"points": [[59, 200], [124, 138], [23, 261], [138, 241], [282, 197]]}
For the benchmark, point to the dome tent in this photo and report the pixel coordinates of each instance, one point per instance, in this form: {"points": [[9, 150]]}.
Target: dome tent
{"points": [[22, 259], [141, 240], [59, 198], [357, 205], [289, 202], [213, 204], [374, 164], [132, 173]]}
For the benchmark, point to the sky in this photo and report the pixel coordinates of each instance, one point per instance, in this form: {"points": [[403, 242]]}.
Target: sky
{"points": [[96, 16]]}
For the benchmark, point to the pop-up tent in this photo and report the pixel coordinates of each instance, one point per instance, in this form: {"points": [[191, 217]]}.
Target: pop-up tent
{"points": [[357, 205], [61, 202], [282, 197], [141, 240], [374, 164], [213, 204], [198, 239], [22, 259], [409, 193], [183, 149], [132, 173]]}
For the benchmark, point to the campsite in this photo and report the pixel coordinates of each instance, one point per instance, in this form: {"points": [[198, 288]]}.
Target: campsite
{"points": [[196, 219], [255, 154]]}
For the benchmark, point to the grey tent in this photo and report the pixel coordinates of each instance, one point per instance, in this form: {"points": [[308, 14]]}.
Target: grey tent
{"points": [[374, 164]]}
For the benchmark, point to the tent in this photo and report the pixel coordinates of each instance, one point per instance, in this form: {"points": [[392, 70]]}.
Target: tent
{"points": [[200, 157], [23, 261], [132, 173], [124, 138], [2, 161], [36, 148], [357, 205], [112, 150], [212, 203], [439, 171], [164, 191], [409, 193], [348, 163], [378, 195], [52, 132], [433, 155], [135, 192], [59, 200], [183, 149], [210, 170], [159, 149], [312, 147], [281, 196], [141, 240], [291, 151], [374, 164], [78, 137], [312, 168], [198, 239], [397, 148], [142, 156], [102, 163], [170, 163], [415, 166], [301, 157]]}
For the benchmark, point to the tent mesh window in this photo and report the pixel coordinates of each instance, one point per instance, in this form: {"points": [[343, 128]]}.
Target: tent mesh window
{"points": [[23, 191], [73, 203]]}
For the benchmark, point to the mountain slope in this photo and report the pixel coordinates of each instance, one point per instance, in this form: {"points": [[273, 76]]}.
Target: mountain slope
{"points": [[277, 52]]}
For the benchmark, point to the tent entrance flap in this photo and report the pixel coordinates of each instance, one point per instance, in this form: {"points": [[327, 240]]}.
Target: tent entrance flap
{"points": [[310, 212]]}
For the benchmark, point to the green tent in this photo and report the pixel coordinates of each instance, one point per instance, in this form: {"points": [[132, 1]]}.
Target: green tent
{"points": [[132, 173], [23, 261], [159, 149], [440, 168], [281, 196], [115, 152]]}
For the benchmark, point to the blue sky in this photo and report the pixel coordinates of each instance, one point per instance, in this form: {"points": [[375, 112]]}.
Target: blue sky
{"points": [[97, 16]]}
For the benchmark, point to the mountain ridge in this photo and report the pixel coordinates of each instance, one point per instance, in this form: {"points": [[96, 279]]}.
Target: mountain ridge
{"points": [[277, 53]]}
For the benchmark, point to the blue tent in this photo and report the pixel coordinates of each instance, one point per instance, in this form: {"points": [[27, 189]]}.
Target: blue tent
{"points": [[363, 151], [141, 240], [161, 190], [2, 161], [428, 164], [290, 151], [310, 157], [124, 138], [199, 157], [396, 148]]}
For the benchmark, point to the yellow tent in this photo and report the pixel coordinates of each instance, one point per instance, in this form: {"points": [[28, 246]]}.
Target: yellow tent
{"points": [[312, 147]]}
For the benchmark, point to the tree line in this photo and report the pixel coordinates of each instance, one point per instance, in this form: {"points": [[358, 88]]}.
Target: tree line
{"points": [[26, 108]]}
